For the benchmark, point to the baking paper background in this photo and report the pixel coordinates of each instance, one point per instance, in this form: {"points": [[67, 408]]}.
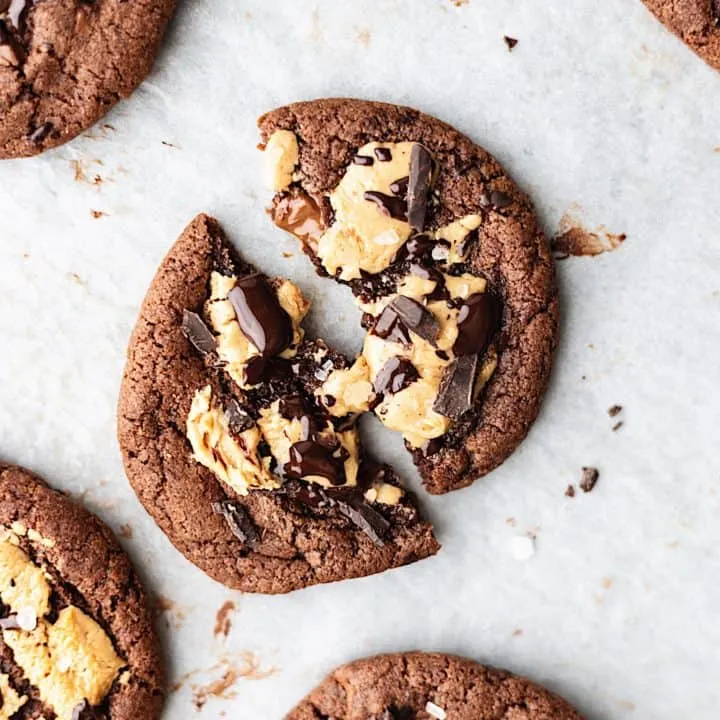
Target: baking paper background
{"points": [[598, 110]]}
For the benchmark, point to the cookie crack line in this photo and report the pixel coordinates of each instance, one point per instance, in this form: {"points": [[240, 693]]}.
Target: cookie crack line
{"points": [[396, 204]]}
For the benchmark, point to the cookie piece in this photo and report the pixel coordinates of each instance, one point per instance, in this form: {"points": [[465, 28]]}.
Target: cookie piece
{"points": [[696, 22], [63, 65], [227, 444], [428, 686], [77, 639], [445, 258]]}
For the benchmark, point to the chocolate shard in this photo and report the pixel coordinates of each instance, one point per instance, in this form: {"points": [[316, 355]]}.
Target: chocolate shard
{"points": [[365, 160], [238, 419], [590, 477], [239, 522], [416, 317], [394, 207], [369, 520], [198, 333], [78, 710], [477, 322], [9, 623], [312, 458], [389, 327], [421, 175], [395, 375], [261, 318], [455, 396]]}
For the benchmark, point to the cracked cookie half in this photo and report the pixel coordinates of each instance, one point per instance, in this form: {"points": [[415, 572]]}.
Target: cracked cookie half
{"points": [[696, 22], [428, 686], [229, 443], [64, 64], [447, 264], [77, 640]]}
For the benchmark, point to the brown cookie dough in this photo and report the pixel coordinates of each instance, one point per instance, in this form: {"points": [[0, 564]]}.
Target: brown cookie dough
{"points": [[228, 448], [77, 639], [696, 22], [404, 209], [428, 686], [65, 63]]}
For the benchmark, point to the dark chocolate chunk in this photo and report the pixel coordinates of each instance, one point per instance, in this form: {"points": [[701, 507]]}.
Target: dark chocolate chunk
{"points": [[389, 327], [590, 476], [395, 375], [363, 160], [309, 494], [9, 623], [198, 333], [477, 322], [400, 187], [41, 132], [421, 174], [309, 457], [78, 710], [470, 240], [431, 447], [239, 522], [292, 407], [369, 520], [394, 207], [254, 370], [238, 419], [416, 317], [455, 396], [383, 154], [511, 42], [261, 318], [416, 248]]}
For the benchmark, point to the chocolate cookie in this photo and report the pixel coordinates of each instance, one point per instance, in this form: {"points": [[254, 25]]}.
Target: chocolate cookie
{"points": [[77, 640], [422, 686], [228, 444], [65, 63], [696, 22], [445, 259]]}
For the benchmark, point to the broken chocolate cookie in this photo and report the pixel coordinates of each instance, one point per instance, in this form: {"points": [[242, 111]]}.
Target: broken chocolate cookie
{"points": [[77, 640], [447, 263], [229, 442], [428, 686]]}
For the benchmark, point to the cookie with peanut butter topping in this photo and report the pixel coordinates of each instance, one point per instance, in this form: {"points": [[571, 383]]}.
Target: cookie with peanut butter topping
{"points": [[448, 266], [77, 639], [255, 475]]}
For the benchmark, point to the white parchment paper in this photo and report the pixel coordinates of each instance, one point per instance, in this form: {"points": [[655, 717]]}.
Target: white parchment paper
{"points": [[598, 110]]}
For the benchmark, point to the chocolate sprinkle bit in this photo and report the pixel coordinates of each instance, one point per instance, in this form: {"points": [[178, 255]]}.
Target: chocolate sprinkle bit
{"points": [[383, 154], [511, 42], [455, 396], [239, 522], [261, 318], [238, 419], [421, 172], [477, 322], [389, 205], [363, 160], [416, 317], [395, 375], [590, 477], [309, 457], [198, 333]]}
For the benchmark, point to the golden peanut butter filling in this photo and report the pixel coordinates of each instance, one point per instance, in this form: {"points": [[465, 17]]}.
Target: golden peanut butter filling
{"points": [[69, 660]]}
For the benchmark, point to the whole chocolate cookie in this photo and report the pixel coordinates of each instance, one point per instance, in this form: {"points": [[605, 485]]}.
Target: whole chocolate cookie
{"points": [[447, 263], [77, 640], [227, 444], [428, 686], [696, 22], [65, 63]]}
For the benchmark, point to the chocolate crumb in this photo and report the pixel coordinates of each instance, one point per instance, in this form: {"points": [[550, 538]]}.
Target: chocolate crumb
{"points": [[590, 477], [198, 333], [615, 410], [511, 42], [570, 492], [617, 426]]}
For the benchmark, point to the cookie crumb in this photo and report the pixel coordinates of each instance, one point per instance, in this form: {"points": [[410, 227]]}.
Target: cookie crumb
{"points": [[97, 214], [126, 531], [517, 632], [615, 410], [169, 144], [573, 239], [617, 426], [607, 583], [510, 521], [223, 619], [523, 547], [437, 712], [364, 37], [460, 3], [511, 42], [570, 491], [590, 477]]}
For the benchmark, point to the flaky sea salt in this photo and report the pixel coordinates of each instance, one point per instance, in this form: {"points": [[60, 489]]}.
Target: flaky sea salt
{"points": [[435, 711]]}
